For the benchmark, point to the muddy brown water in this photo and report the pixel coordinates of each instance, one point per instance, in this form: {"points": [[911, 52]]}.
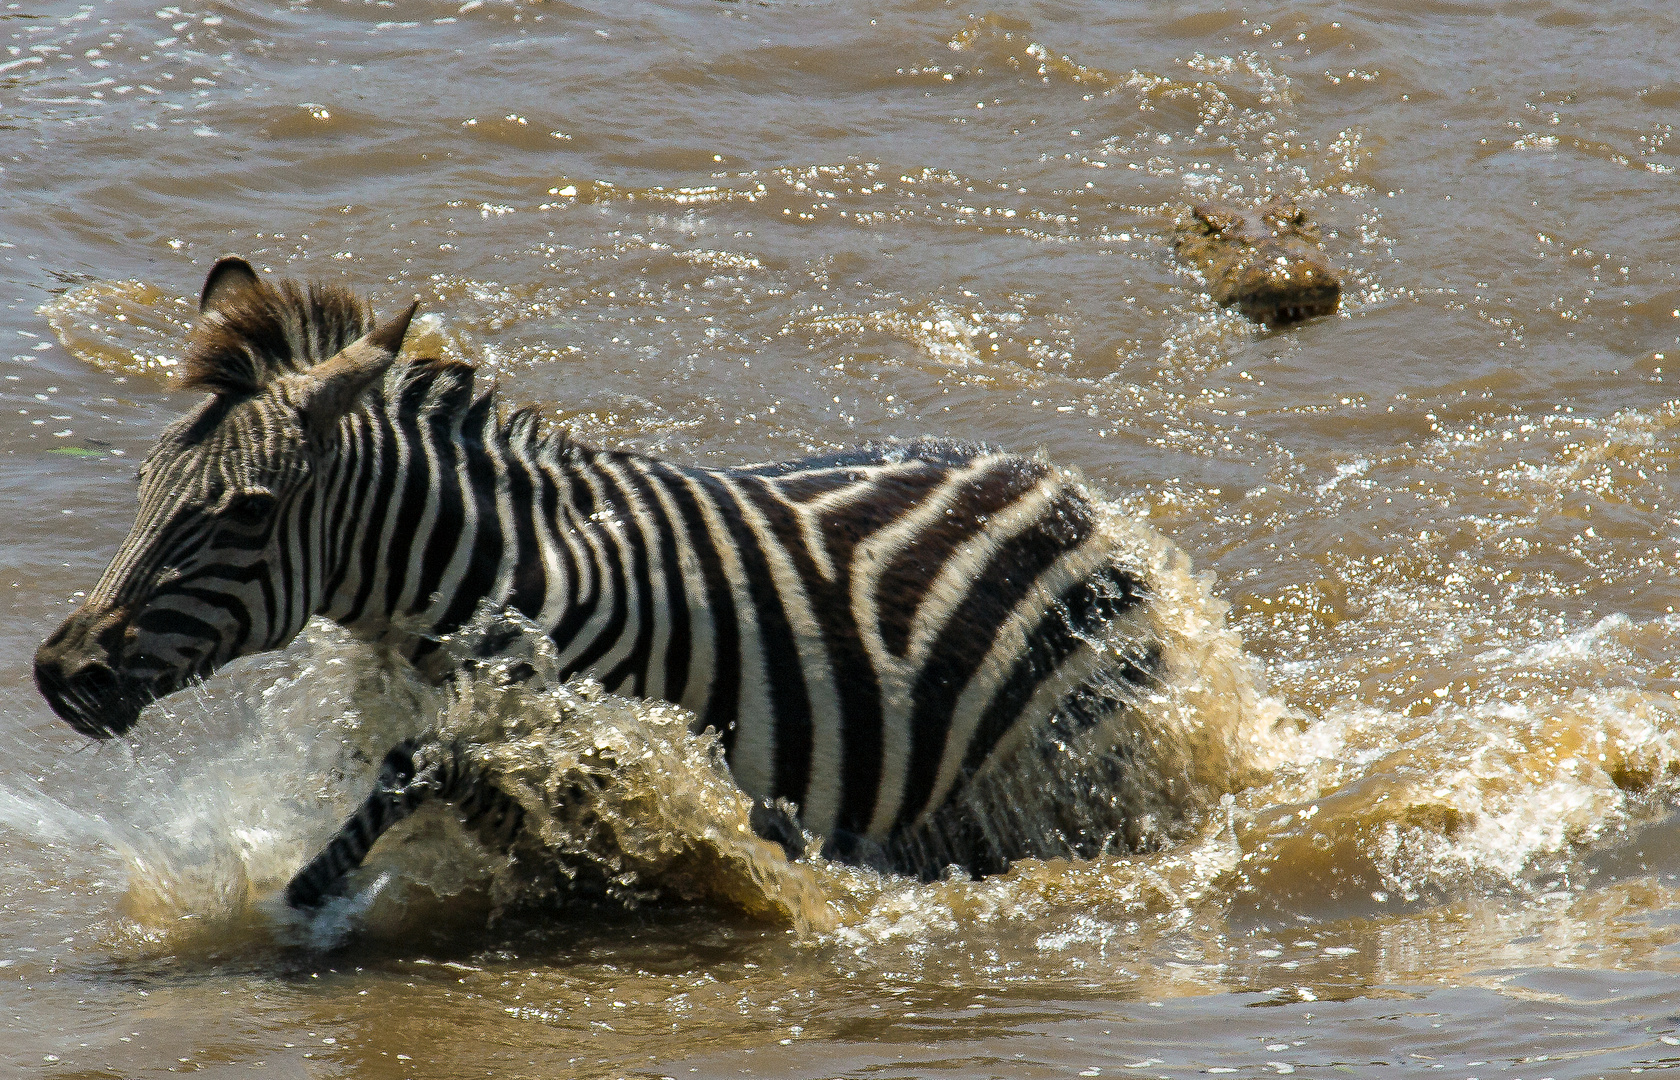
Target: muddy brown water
{"points": [[1438, 531]]}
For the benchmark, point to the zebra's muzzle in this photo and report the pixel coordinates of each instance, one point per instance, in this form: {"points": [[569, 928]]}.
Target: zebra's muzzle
{"points": [[75, 676], [91, 699]]}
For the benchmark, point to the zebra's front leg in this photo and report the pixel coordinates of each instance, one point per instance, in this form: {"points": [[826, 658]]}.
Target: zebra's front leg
{"points": [[414, 772], [404, 785]]}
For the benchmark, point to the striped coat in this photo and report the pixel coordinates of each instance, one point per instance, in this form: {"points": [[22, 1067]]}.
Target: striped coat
{"points": [[878, 635]]}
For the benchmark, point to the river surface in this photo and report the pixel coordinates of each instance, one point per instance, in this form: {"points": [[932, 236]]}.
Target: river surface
{"points": [[1436, 535]]}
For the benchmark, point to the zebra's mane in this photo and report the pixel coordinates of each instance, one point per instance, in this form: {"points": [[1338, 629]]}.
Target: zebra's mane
{"points": [[280, 328], [527, 426], [445, 390], [271, 330]]}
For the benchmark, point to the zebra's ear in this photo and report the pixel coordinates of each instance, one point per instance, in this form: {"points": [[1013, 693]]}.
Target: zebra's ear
{"points": [[329, 389], [228, 281]]}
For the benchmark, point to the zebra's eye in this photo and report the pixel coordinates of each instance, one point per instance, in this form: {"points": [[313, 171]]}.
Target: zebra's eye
{"points": [[251, 510]]}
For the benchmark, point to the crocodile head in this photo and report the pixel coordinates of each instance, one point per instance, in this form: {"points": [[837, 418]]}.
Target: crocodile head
{"points": [[1266, 263]]}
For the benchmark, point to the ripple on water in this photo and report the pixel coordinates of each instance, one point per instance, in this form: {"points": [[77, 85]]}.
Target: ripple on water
{"points": [[126, 327]]}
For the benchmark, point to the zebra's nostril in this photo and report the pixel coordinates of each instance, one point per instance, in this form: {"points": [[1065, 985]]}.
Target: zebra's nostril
{"points": [[49, 679], [97, 678]]}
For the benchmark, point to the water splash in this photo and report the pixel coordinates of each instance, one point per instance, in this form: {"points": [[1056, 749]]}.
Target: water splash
{"points": [[1360, 811], [622, 799], [239, 783]]}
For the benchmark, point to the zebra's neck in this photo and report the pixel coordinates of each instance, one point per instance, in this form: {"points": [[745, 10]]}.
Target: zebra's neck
{"points": [[413, 514], [438, 506]]}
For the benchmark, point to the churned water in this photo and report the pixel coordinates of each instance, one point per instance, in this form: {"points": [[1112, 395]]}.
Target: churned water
{"points": [[1426, 653]]}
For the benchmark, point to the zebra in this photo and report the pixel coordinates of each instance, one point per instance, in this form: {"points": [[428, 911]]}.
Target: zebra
{"points": [[879, 636]]}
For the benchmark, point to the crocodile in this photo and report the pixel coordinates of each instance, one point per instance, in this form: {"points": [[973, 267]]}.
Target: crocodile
{"points": [[1267, 262]]}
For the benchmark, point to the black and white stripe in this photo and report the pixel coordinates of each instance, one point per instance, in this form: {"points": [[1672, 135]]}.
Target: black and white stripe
{"points": [[863, 629], [414, 773], [878, 635]]}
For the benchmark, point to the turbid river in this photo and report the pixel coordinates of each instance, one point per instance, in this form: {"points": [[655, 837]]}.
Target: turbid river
{"points": [[1432, 540]]}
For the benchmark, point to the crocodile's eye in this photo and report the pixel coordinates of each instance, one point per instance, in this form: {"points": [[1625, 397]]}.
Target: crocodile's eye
{"points": [[251, 510]]}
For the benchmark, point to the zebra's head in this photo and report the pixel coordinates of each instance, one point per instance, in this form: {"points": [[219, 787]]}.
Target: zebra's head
{"points": [[223, 559]]}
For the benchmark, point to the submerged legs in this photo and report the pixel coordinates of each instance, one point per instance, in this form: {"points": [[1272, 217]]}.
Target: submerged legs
{"points": [[415, 772]]}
